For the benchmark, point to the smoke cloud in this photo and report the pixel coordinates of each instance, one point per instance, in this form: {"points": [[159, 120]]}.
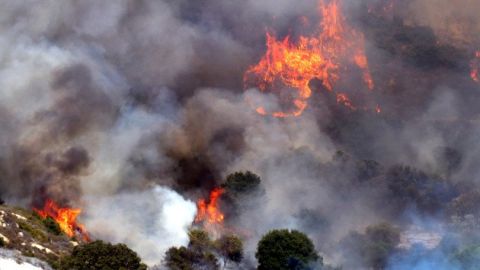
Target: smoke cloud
{"points": [[132, 110]]}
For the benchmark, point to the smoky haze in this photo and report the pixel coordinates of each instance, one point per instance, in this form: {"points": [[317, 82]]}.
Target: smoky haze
{"points": [[141, 105]]}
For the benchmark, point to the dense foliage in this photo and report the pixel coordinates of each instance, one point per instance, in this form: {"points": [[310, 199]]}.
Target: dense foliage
{"points": [[101, 255], [284, 250], [230, 248], [51, 225], [242, 182], [183, 258]]}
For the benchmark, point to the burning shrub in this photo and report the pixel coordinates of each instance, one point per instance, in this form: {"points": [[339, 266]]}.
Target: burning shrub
{"points": [[52, 225], [101, 255], [65, 217], [284, 250]]}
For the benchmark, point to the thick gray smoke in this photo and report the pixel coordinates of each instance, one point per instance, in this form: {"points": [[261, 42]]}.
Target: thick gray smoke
{"points": [[133, 109]]}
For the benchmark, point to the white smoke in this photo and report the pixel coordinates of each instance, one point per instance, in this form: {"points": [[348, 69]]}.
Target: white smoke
{"points": [[147, 221]]}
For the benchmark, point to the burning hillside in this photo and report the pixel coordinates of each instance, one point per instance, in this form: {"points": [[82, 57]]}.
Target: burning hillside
{"points": [[288, 66], [65, 217], [214, 133]]}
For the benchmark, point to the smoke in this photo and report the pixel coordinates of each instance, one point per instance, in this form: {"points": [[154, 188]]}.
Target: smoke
{"points": [[452, 21], [147, 221], [131, 110]]}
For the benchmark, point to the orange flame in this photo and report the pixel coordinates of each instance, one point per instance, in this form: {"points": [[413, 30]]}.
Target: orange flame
{"points": [[292, 65], [475, 65], [209, 212], [65, 217], [343, 99]]}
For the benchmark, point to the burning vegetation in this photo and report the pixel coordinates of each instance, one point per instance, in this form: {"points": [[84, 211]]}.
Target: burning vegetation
{"points": [[65, 217], [475, 66], [288, 66], [362, 139], [209, 213]]}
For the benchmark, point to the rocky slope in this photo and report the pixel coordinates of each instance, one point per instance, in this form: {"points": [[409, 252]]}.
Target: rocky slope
{"points": [[26, 237]]}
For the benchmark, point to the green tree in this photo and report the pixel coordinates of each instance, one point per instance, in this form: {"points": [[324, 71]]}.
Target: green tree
{"points": [[101, 255], [242, 182], [374, 247], [230, 248], [183, 258], [199, 240], [199, 254], [179, 258], [285, 250], [243, 190]]}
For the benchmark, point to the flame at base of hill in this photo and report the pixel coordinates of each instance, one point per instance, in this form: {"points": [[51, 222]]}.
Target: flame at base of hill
{"points": [[65, 217]]}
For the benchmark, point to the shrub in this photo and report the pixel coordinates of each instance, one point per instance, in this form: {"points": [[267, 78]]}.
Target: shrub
{"points": [[230, 247], [52, 226], [187, 259], [197, 255], [242, 182], [101, 255], [285, 250]]}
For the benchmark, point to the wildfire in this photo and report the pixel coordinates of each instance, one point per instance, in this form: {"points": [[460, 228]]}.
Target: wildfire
{"points": [[475, 65], [209, 212], [288, 67], [65, 217]]}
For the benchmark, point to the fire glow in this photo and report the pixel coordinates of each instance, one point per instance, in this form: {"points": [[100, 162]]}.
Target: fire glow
{"points": [[208, 211], [292, 65], [475, 65], [65, 217]]}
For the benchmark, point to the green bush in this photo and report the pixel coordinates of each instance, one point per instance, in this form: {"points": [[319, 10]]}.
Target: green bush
{"points": [[101, 255], [34, 232], [200, 252], [242, 182], [285, 250], [52, 226], [187, 259], [230, 247]]}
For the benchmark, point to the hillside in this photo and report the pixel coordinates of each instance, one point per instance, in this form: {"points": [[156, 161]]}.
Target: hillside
{"points": [[30, 235]]}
